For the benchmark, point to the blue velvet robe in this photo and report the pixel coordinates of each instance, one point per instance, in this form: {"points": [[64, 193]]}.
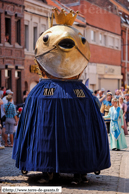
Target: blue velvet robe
{"points": [[61, 130]]}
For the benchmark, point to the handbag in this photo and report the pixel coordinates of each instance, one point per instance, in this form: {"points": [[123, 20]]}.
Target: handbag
{"points": [[3, 119]]}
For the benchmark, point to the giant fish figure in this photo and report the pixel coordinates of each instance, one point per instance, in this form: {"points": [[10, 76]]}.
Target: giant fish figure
{"points": [[61, 129]]}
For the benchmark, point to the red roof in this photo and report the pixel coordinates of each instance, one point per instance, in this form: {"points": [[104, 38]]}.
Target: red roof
{"points": [[53, 4], [120, 7]]}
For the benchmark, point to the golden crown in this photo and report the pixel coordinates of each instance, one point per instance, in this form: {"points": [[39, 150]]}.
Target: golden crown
{"points": [[63, 18]]}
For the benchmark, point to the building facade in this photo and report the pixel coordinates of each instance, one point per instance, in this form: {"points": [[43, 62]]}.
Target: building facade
{"points": [[107, 32], [36, 16], [103, 32], [123, 10], [12, 47]]}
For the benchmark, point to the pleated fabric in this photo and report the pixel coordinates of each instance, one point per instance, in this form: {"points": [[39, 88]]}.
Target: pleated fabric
{"points": [[61, 133]]}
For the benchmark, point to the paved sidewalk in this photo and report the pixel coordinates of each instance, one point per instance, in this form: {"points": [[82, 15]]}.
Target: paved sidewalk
{"points": [[114, 180]]}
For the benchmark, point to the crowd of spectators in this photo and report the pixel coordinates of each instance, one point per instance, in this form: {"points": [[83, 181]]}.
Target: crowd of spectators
{"points": [[104, 100], [9, 116]]}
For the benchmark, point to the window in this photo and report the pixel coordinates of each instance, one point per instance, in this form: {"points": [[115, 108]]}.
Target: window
{"points": [[8, 79], [122, 48], [104, 40], [0, 28], [93, 36], [111, 42], [127, 79], [34, 37], [117, 43], [8, 30], [100, 38], [18, 31], [43, 28], [27, 37]]}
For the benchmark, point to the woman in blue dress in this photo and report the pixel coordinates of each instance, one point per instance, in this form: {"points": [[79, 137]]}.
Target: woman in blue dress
{"points": [[117, 137]]}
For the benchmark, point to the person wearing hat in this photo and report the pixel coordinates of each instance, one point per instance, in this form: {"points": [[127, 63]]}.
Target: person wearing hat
{"points": [[5, 101], [117, 137], [106, 105], [103, 90], [117, 94], [11, 119]]}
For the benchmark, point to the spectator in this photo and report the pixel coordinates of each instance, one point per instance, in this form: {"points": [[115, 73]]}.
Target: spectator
{"points": [[3, 88], [1, 94], [126, 90], [117, 94], [125, 101], [18, 117], [103, 90], [7, 37], [25, 94], [1, 147], [106, 105], [124, 108], [127, 113], [11, 120], [3, 113], [96, 99], [101, 97], [96, 92], [117, 138], [122, 90]]}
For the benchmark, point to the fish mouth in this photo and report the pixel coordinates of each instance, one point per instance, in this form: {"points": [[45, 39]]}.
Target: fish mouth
{"points": [[66, 44]]}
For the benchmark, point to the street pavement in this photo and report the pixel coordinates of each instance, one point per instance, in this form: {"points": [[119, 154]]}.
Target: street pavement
{"points": [[114, 180]]}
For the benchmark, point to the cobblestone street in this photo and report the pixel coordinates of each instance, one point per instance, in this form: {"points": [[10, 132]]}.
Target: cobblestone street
{"points": [[113, 180]]}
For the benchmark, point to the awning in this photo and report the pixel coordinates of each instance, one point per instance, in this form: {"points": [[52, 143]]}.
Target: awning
{"points": [[9, 66], [10, 13], [19, 15], [111, 77], [18, 66]]}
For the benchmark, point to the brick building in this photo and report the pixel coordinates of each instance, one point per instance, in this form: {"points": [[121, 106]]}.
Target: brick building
{"points": [[36, 15], [12, 46], [103, 32], [123, 10]]}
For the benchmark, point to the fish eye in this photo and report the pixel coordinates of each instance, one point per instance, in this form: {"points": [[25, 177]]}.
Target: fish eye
{"points": [[83, 40], [45, 38]]}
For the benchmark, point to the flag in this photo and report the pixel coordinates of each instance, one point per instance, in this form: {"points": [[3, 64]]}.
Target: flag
{"points": [[87, 83]]}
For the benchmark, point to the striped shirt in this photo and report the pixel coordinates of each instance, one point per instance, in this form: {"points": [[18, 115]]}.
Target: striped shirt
{"points": [[10, 110]]}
